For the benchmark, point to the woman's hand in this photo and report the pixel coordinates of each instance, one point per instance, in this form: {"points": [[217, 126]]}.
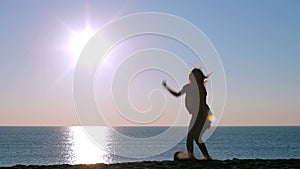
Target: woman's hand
{"points": [[164, 83]]}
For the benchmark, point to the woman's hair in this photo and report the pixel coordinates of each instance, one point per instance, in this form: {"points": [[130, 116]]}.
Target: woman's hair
{"points": [[198, 75]]}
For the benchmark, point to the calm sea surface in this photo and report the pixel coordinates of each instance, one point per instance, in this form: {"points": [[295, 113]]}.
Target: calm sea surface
{"points": [[60, 145]]}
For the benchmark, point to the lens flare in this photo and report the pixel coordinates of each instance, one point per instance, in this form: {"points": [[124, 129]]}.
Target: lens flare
{"points": [[79, 40], [211, 117]]}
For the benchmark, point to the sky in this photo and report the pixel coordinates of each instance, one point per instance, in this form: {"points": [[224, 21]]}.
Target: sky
{"points": [[257, 42]]}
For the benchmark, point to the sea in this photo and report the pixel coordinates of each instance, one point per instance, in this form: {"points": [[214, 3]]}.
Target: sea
{"points": [[74, 145]]}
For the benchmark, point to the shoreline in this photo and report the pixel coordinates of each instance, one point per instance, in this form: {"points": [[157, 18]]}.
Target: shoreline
{"points": [[234, 163]]}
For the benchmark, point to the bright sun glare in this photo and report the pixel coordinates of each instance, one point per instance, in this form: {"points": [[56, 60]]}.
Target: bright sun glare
{"points": [[79, 40]]}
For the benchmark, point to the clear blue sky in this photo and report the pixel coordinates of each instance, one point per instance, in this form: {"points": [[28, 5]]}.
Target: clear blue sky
{"points": [[258, 43]]}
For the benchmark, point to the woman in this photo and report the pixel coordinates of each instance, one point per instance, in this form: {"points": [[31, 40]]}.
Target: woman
{"points": [[195, 102]]}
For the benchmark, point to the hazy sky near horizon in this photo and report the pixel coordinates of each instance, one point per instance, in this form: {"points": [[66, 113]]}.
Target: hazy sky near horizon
{"points": [[257, 41]]}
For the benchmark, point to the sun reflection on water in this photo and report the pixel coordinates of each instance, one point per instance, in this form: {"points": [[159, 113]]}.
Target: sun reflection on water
{"points": [[85, 151]]}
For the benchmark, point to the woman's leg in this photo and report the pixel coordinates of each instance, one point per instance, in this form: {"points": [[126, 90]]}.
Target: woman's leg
{"points": [[199, 140], [203, 149], [189, 144], [191, 137]]}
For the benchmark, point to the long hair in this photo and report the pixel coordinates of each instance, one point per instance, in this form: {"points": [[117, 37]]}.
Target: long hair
{"points": [[198, 76]]}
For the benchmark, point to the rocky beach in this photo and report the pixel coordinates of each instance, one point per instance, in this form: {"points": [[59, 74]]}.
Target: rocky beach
{"points": [[220, 164]]}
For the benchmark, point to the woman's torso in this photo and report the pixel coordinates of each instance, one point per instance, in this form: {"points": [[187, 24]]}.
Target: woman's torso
{"points": [[195, 99]]}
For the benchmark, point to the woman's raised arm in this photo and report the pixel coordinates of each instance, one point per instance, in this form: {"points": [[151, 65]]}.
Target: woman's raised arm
{"points": [[176, 94]]}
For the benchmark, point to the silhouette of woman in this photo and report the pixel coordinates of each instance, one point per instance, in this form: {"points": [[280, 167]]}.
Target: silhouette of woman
{"points": [[195, 102]]}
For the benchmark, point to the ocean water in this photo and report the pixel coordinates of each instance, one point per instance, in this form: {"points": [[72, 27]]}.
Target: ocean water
{"points": [[70, 145]]}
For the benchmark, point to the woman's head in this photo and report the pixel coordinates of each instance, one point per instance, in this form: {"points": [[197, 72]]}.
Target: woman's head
{"points": [[197, 75]]}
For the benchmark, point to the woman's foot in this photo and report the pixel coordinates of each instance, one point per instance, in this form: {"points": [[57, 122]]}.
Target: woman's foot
{"points": [[207, 158], [192, 157]]}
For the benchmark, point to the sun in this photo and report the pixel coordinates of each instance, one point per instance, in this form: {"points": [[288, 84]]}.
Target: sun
{"points": [[79, 39]]}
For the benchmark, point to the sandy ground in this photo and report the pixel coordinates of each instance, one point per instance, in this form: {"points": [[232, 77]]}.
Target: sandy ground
{"points": [[234, 163]]}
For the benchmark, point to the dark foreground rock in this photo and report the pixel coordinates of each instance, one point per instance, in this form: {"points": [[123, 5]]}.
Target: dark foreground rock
{"points": [[234, 164]]}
